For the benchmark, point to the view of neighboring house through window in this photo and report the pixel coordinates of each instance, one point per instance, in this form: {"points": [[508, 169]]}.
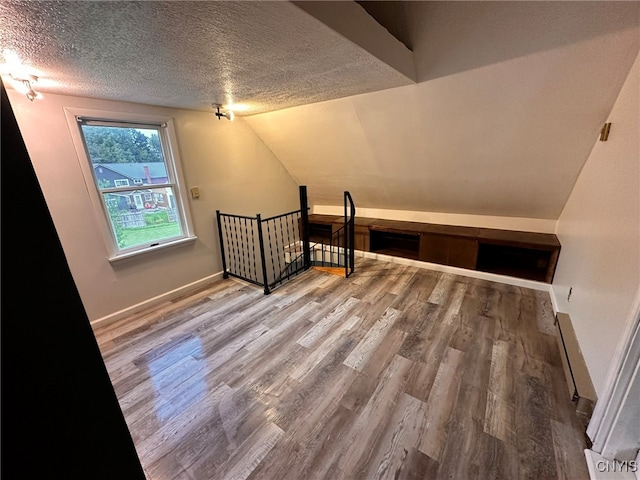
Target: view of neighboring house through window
{"points": [[133, 175]]}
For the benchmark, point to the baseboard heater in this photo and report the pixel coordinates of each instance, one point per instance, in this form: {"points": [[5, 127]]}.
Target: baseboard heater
{"points": [[579, 382]]}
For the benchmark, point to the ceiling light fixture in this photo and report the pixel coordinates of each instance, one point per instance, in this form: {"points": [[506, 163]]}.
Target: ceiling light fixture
{"points": [[23, 85], [237, 107], [228, 115]]}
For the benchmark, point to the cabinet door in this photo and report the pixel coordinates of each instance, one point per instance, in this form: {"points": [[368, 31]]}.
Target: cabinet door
{"points": [[434, 249], [361, 235], [463, 252], [448, 250], [362, 238]]}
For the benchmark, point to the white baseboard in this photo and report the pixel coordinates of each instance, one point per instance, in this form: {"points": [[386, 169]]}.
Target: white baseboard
{"points": [[493, 277], [108, 319], [554, 302]]}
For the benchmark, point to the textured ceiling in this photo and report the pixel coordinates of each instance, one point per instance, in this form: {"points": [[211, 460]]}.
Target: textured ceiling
{"points": [[269, 55]]}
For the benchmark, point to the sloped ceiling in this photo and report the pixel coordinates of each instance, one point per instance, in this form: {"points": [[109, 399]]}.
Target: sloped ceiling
{"points": [[510, 100], [493, 112]]}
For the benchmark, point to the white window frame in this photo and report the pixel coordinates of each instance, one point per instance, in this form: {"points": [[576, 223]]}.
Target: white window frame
{"points": [[171, 153], [120, 181]]}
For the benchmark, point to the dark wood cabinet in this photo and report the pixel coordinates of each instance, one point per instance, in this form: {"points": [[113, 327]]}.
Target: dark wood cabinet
{"points": [[362, 231], [519, 254], [434, 249], [449, 250], [449, 245], [398, 244], [528, 255], [363, 238], [321, 227]]}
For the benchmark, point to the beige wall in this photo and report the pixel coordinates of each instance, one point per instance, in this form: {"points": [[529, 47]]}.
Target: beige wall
{"points": [[483, 221], [599, 229], [235, 172]]}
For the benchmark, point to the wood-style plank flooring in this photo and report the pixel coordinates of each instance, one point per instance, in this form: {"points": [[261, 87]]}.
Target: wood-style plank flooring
{"points": [[394, 373]]}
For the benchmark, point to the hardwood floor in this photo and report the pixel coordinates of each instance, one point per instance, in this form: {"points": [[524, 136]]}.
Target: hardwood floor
{"points": [[393, 373]]}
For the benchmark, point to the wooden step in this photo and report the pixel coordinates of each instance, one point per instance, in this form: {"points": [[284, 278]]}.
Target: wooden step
{"points": [[333, 270]]}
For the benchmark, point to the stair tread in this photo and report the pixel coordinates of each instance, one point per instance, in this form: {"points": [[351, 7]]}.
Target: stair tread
{"points": [[333, 270]]}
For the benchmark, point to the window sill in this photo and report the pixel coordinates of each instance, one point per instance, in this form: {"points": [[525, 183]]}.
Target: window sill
{"points": [[125, 257]]}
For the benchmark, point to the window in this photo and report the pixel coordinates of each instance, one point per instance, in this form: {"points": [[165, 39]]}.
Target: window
{"points": [[114, 151]]}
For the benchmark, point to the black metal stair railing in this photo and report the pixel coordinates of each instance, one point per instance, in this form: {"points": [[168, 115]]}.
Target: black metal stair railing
{"points": [[270, 251], [264, 252], [284, 247], [350, 234], [239, 256], [339, 249], [330, 252]]}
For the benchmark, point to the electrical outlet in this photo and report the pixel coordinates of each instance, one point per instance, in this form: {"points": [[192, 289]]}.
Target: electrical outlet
{"points": [[570, 292], [195, 192]]}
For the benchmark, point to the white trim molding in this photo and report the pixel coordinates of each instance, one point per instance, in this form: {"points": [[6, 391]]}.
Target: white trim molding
{"points": [[554, 301], [493, 277], [166, 133], [151, 302], [615, 424]]}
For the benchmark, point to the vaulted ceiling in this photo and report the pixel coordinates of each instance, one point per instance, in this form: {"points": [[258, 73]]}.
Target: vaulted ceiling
{"points": [[481, 107]]}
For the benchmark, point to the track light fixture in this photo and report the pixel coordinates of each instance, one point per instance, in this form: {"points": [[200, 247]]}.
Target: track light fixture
{"points": [[228, 115], [23, 84]]}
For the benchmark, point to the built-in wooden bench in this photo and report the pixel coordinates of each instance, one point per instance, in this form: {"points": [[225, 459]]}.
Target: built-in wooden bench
{"points": [[527, 255]]}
